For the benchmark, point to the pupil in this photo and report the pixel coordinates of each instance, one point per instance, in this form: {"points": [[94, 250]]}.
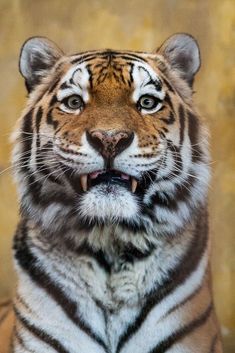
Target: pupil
{"points": [[74, 102], [148, 102]]}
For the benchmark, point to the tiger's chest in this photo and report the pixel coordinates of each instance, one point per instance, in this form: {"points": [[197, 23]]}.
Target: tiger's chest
{"points": [[81, 296]]}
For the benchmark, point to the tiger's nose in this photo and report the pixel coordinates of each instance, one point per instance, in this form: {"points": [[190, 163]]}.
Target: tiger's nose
{"points": [[110, 143]]}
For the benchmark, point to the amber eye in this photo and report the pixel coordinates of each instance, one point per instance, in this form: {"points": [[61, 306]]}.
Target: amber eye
{"points": [[148, 102], [73, 102]]}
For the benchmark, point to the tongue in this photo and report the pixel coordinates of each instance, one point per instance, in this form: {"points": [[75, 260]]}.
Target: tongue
{"points": [[125, 176], [94, 175]]}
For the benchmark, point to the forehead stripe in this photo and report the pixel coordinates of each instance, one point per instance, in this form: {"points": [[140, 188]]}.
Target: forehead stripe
{"points": [[167, 83], [81, 59], [124, 56], [53, 86], [90, 56]]}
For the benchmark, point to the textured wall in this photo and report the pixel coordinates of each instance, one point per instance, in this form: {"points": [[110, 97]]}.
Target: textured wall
{"points": [[142, 25]]}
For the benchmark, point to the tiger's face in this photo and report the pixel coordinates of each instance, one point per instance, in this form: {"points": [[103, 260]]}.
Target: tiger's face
{"points": [[107, 117], [111, 137]]}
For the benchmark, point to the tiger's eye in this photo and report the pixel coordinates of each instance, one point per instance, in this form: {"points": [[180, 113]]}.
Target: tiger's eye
{"points": [[148, 102], [74, 102]]}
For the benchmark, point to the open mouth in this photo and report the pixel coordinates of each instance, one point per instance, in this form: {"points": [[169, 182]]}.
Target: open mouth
{"points": [[108, 177]]}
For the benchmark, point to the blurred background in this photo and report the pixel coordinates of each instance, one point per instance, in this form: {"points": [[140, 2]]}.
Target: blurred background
{"points": [[77, 25]]}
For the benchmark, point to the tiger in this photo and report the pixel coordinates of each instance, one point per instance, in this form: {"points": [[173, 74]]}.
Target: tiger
{"points": [[112, 162]]}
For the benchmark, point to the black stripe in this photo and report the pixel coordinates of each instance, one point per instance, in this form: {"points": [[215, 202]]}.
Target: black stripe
{"points": [[23, 303], [21, 342], [37, 124], [193, 131], [53, 100], [4, 315], [58, 197], [130, 253], [103, 55], [178, 163], [90, 56], [85, 249], [156, 83], [39, 162], [119, 69], [167, 100], [127, 253], [182, 123], [90, 76], [27, 130], [30, 264], [5, 304], [129, 53], [83, 58], [65, 85], [27, 137], [169, 120], [133, 226], [116, 77], [53, 86], [167, 83], [40, 334], [38, 119], [183, 302], [50, 120], [182, 194], [131, 73], [129, 56], [181, 333], [175, 277], [213, 343]]}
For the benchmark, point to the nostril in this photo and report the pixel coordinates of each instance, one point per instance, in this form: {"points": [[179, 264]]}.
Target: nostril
{"points": [[124, 141], [95, 140]]}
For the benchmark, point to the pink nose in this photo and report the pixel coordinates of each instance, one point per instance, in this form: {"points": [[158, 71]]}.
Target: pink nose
{"points": [[110, 143]]}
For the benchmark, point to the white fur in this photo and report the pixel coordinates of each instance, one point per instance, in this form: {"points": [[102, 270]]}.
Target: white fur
{"points": [[153, 323], [84, 281], [108, 203], [141, 78]]}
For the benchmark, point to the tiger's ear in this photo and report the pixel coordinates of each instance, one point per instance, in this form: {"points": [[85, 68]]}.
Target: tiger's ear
{"points": [[182, 53], [38, 55]]}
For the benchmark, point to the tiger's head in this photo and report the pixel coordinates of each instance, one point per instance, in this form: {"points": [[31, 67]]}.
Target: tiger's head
{"points": [[111, 138]]}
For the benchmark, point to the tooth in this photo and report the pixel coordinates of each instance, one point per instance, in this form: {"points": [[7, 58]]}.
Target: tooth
{"points": [[134, 184], [84, 182]]}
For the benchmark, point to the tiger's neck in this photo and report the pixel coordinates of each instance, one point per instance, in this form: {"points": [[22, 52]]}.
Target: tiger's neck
{"points": [[110, 295], [165, 266]]}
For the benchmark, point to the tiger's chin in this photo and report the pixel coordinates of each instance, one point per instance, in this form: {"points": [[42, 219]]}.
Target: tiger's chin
{"points": [[108, 196], [108, 202]]}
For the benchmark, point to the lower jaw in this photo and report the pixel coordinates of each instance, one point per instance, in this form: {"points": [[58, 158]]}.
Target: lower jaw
{"points": [[108, 201]]}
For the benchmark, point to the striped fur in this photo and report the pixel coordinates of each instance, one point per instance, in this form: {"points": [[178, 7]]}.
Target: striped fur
{"points": [[102, 268]]}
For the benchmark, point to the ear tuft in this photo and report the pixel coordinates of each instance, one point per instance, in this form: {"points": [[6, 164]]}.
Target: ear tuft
{"points": [[182, 53], [38, 56]]}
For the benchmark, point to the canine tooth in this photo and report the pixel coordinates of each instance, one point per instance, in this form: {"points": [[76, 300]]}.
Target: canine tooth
{"points": [[134, 184], [84, 182]]}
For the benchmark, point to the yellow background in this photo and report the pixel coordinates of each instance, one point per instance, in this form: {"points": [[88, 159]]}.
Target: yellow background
{"points": [[138, 25]]}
